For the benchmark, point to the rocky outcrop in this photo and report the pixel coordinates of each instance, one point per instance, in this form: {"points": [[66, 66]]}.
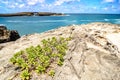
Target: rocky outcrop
{"points": [[93, 54], [17, 14], [7, 35], [31, 14], [49, 14]]}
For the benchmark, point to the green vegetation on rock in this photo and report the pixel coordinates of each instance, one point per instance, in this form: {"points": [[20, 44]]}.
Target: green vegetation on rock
{"points": [[51, 73], [41, 58], [25, 75]]}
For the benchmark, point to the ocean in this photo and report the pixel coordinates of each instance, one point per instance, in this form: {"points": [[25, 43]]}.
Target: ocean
{"points": [[37, 24]]}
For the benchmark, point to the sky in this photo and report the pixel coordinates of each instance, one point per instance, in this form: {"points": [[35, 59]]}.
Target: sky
{"points": [[60, 6]]}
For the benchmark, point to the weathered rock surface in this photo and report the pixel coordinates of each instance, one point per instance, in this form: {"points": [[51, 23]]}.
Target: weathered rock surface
{"points": [[7, 35], [93, 54]]}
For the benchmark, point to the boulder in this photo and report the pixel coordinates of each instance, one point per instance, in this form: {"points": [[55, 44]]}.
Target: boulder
{"points": [[14, 35], [8, 35]]}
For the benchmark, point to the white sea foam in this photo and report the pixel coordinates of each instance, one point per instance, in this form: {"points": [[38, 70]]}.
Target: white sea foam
{"points": [[91, 20], [2, 24], [106, 19], [66, 15], [85, 20], [117, 21], [36, 21], [41, 21], [114, 19]]}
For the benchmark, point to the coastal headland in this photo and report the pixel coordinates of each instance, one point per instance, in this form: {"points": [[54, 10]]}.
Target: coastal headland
{"points": [[31, 14], [93, 53]]}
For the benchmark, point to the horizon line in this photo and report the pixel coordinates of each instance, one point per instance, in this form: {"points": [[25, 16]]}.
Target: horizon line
{"points": [[60, 12]]}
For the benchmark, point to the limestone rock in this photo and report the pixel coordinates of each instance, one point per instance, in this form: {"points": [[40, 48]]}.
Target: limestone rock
{"points": [[93, 54]]}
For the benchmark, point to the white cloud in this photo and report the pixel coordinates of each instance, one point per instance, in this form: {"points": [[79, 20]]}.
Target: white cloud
{"points": [[112, 6], [60, 2], [94, 7], [33, 2], [16, 4], [105, 8], [108, 0], [4, 2], [21, 5], [11, 6], [20, 0]]}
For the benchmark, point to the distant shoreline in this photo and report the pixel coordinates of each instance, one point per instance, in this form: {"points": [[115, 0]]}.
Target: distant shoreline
{"points": [[31, 14]]}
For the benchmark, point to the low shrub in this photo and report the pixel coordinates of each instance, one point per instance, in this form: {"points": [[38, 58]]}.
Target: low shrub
{"points": [[41, 57]]}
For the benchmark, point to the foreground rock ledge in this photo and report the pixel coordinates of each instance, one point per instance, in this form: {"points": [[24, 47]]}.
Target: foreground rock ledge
{"points": [[94, 53]]}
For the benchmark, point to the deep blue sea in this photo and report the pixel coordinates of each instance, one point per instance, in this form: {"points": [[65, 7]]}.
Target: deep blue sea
{"points": [[37, 24]]}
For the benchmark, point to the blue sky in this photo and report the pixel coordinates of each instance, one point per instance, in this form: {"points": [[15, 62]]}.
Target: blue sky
{"points": [[62, 6]]}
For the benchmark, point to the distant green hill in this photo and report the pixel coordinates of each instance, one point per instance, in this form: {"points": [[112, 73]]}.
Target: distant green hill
{"points": [[31, 14]]}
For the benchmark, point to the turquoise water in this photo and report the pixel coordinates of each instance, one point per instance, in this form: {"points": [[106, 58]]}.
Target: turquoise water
{"points": [[37, 24]]}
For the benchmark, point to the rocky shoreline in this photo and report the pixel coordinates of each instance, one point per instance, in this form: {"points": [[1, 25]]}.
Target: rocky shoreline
{"points": [[31, 14], [93, 53]]}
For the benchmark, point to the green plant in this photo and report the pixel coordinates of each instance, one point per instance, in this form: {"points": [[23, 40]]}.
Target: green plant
{"points": [[42, 57], [25, 75], [25, 66], [51, 73], [60, 63], [40, 69], [13, 60], [20, 61]]}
